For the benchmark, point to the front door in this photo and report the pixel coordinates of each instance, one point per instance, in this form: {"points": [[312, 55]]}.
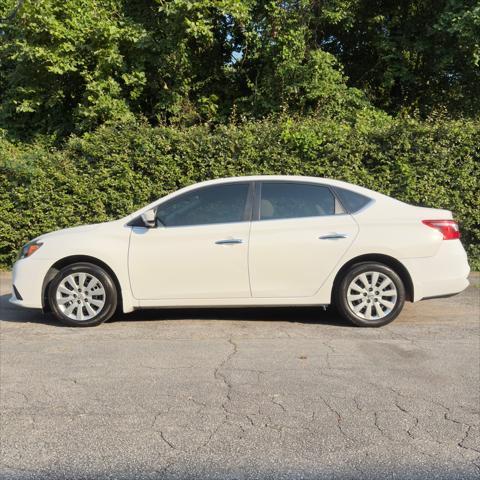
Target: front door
{"points": [[199, 248]]}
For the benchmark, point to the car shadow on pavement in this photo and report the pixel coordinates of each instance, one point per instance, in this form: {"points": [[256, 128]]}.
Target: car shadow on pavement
{"points": [[314, 315], [12, 313]]}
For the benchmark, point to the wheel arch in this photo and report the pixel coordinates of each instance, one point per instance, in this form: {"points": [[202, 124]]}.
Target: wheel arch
{"points": [[63, 262], [387, 260]]}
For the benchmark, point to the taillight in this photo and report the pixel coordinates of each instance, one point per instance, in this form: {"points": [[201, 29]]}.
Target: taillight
{"points": [[448, 228]]}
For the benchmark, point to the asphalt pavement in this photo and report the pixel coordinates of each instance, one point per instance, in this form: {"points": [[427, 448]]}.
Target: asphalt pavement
{"points": [[292, 393]]}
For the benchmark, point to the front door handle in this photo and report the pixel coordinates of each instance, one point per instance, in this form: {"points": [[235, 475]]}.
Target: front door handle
{"points": [[333, 236], [229, 241]]}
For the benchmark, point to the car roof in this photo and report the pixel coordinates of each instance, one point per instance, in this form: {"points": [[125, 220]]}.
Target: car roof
{"points": [[289, 178]]}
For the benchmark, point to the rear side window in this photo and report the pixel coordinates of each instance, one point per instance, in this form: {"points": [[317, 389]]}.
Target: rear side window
{"points": [[295, 200], [352, 201], [206, 205]]}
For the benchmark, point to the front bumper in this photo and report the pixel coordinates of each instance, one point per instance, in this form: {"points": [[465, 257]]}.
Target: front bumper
{"points": [[446, 273], [27, 276]]}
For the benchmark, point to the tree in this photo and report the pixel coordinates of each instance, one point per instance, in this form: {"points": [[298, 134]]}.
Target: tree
{"points": [[418, 55], [62, 65], [72, 65], [69, 66]]}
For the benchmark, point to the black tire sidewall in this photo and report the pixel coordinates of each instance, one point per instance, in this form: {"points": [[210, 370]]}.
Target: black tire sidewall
{"points": [[111, 296], [341, 294]]}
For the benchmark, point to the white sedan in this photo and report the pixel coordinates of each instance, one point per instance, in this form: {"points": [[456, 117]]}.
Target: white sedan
{"points": [[249, 241]]}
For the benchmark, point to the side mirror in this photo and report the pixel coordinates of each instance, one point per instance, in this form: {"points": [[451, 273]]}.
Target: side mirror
{"points": [[148, 219]]}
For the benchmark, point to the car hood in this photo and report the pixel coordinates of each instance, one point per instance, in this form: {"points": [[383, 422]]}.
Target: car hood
{"points": [[73, 230]]}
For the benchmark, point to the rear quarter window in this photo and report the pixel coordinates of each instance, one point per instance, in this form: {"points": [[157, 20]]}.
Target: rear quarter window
{"points": [[352, 201]]}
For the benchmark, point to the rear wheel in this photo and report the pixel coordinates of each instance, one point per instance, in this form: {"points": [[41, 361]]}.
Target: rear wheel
{"points": [[370, 294], [82, 295]]}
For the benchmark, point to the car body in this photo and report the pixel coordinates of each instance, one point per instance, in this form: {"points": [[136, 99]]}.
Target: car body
{"points": [[252, 241]]}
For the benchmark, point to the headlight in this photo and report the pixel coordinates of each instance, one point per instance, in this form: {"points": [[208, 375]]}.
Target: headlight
{"points": [[29, 249]]}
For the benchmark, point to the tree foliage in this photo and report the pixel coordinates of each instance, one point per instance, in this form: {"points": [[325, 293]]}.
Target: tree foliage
{"points": [[69, 66], [413, 55]]}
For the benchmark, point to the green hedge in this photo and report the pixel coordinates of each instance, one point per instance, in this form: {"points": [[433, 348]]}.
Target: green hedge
{"points": [[116, 169]]}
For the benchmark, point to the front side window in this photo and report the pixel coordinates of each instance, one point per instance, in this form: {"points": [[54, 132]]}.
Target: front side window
{"points": [[295, 200], [206, 205]]}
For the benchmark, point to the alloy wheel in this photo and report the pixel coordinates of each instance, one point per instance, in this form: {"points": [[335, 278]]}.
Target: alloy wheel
{"points": [[80, 296], [372, 295]]}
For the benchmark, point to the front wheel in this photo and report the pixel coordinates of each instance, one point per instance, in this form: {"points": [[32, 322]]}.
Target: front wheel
{"points": [[370, 294], [82, 295]]}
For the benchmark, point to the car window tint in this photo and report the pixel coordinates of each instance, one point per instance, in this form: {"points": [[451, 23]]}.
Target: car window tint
{"points": [[215, 204], [352, 201], [294, 200]]}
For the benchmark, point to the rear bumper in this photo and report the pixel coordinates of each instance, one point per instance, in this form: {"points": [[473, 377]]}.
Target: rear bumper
{"points": [[27, 276], [444, 274]]}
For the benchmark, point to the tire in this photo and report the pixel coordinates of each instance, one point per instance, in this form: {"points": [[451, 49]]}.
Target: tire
{"points": [[370, 294], [82, 295]]}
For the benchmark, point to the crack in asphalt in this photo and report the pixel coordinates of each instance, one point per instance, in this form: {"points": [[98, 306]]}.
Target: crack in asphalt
{"points": [[338, 417], [157, 415], [168, 442], [377, 425], [415, 419], [219, 375], [465, 437], [357, 404], [282, 407], [446, 417]]}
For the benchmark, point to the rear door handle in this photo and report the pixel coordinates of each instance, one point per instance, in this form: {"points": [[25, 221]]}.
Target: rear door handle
{"points": [[229, 241], [333, 236]]}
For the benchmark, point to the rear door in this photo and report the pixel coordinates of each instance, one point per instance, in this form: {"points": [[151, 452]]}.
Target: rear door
{"points": [[299, 235]]}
